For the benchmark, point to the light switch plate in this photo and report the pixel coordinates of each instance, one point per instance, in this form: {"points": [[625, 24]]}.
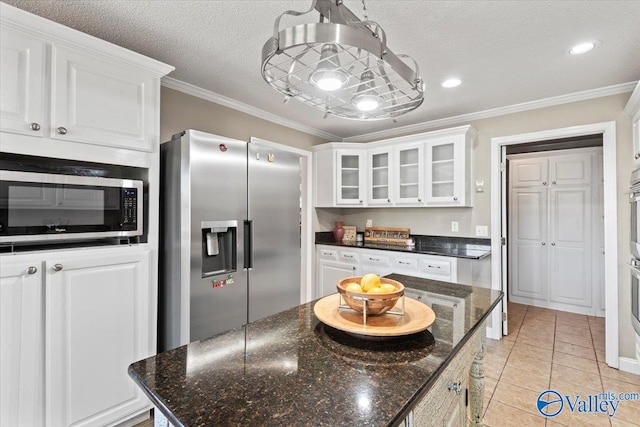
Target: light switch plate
{"points": [[482, 231], [454, 225]]}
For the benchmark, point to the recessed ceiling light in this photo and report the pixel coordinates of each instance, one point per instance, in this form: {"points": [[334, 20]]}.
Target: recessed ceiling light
{"points": [[582, 48], [451, 83]]}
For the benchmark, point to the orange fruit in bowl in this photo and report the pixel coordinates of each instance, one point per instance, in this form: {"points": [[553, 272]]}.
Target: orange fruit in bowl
{"points": [[369, 281], [353, 287]]}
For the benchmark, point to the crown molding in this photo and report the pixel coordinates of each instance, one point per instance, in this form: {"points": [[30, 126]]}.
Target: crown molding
{"points": [[495, 112], [189, 89]]}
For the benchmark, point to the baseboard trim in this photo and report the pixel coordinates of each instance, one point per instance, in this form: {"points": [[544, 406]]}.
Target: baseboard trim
{"points": [[630, 365], [494, 333]]}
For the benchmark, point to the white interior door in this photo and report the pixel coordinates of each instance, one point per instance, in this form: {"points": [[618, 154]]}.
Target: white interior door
{"points": [[505, 242]]}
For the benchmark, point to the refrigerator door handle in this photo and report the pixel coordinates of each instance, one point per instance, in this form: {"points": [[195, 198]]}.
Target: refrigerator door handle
{"points": [[248, 244]]}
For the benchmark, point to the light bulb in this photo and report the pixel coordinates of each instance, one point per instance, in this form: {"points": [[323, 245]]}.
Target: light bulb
{"points": [[366, 102], [451, 83], [582, 48], [328, 75]]}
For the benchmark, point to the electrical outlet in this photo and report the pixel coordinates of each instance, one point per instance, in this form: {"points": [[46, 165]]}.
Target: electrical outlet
{"points": [[482, 231], [454, 225], [369, 223]]}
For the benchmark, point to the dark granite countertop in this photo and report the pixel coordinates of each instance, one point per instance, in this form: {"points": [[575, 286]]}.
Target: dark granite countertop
{"points": [[290, 369], [459, 247]]}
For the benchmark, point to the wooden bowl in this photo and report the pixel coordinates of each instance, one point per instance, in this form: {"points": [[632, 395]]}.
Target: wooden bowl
{"points": [[374, 303]]}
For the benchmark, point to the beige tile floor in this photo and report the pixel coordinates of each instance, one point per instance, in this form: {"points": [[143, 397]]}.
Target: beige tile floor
{"points": [[549, 349]]}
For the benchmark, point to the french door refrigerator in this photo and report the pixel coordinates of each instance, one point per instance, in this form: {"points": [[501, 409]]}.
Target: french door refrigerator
{"points": [[230, 235]]}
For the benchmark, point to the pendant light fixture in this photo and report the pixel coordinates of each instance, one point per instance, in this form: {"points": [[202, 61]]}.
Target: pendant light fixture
{"points": [[341, 65]]}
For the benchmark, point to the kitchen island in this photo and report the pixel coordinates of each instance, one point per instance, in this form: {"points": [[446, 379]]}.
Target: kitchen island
{"points": [[290, 369]]}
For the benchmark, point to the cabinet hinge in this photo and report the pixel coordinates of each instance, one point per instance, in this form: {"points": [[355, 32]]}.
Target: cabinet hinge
{"points": [[504, 317], [503, 167], [503, 241]]}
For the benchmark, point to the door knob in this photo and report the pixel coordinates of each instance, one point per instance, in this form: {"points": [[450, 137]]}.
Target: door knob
{"points": [[32, 270], [34, 126], [57, 267], [61, 130]]}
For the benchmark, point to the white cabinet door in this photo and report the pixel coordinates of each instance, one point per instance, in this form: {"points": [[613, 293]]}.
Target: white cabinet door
{"points": [[409, 174], [528, 243], [97, 324], [380, 176], [570, 170], [21, 343], [570, 256], [101, 102], [22, 83], [529, 172], [445, 162], [350, 180], [330, 273]]}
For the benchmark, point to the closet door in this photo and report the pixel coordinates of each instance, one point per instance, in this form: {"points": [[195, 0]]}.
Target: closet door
{"points": [[570, 251], [527, 243]]}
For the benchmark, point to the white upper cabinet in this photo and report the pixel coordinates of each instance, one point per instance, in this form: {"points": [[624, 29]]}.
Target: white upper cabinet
{"points": [[633, 110], [60, 84], [101, 101], [380, 161], [22, 82], [448, 166], [409, 174], [427, 169], [350, 177]]}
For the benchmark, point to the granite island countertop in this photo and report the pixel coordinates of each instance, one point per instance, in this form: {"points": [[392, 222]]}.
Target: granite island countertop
{"points": [[458, 247], [290, 369]]}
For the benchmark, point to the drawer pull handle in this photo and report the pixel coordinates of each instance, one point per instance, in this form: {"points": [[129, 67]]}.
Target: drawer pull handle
{"points": [[456, 387], [374, 259], [348, 256], [433, 266]]}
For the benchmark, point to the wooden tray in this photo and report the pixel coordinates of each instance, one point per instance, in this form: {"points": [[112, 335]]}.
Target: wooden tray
{"points": [[417, 317]]}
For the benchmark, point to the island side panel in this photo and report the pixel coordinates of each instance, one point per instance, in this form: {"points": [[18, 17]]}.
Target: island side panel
{"points": [[443, 404]]}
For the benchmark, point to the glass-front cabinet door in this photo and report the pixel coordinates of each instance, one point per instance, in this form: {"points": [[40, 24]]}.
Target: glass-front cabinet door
{"points": [[444, 161], [350, 180], [379, 171], [409, 174]]}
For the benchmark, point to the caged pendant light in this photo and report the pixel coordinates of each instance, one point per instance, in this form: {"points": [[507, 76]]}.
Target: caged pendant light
{"points": [[341, 66]]}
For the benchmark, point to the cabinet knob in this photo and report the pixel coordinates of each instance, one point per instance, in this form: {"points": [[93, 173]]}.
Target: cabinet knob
{"points": [[553, 244], [456, 387], [544, 182], [419, 199], [57, 267], [553, 182], [388, 200], [34, 126], [544, 244], [360, 201], [61, 130], [455, 198], [32, 270], [637, 156]]}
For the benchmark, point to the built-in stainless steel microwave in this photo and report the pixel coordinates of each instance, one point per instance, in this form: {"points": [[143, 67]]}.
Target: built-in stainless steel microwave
{"points": [[43, 207]]}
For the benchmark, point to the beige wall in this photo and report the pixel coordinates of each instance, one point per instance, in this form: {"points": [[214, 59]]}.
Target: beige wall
{"points": [[180, 111]]}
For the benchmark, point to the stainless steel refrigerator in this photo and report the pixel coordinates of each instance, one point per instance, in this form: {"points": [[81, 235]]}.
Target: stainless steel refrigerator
{"points": [[230, 235]]}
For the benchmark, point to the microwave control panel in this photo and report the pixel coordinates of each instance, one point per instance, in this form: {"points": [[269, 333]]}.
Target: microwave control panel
{"points": [[129, 208]]}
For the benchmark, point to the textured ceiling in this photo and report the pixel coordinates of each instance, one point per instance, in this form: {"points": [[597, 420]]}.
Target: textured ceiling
{"points": [[506, 52]]}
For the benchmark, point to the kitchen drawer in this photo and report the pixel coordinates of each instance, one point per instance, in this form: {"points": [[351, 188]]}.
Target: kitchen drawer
{"points": [[405, 264], [377, 260], [324, 253], [350, 257], [436, 267]]}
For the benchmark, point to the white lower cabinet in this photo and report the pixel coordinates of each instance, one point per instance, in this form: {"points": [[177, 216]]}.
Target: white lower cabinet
{"points": [[334, 263], [94, 308], [21, 343]]}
